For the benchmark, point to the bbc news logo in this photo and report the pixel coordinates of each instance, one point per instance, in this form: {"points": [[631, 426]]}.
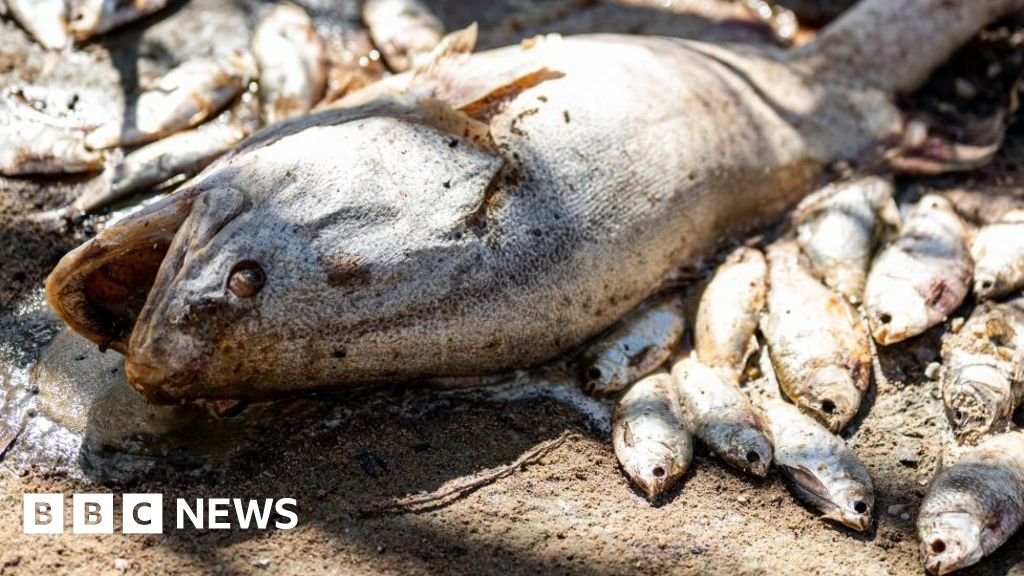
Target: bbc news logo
{"points": [[144, 513]]}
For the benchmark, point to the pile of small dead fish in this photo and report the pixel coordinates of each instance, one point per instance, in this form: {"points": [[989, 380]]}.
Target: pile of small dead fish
{"points": [[182, 121], [812, 302]]}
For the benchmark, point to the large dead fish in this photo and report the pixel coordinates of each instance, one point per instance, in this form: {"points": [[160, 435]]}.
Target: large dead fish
{"points": [[817, 343], [998, 253], [983, 370], [920, 278], [838, 226], [487, 212], [973, 506]]}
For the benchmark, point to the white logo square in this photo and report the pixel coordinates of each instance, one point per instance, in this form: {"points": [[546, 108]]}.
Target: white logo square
{"points": [[142, 514], [42, 513], [92, 513]]}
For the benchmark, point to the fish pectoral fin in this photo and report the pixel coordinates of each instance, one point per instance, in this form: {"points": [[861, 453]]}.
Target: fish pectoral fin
{"points": [[807, 481]]}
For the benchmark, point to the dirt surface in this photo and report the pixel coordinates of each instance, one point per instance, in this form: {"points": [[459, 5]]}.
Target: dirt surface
{"points": [[342, 456]]}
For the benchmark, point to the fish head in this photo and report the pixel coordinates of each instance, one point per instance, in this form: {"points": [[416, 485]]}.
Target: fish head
{"points": [[745, 447], [896, 312], [291, 264], [654, 466], [989, 284], [978, 396], [950, 541], [832, 396], [838, 496]]}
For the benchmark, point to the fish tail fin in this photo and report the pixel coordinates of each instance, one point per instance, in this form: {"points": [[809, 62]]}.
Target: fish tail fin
{"points": [[894, 46]]}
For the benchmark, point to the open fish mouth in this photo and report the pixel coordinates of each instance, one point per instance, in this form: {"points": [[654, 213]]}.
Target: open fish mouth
{"points": [[99, 288]]}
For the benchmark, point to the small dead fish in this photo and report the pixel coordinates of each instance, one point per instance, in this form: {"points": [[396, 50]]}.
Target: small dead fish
{"points": [[405, 31], [922, 276], [719, 413], [837, 228], [637, 346], [973, 506], [652, 445], [184, 153], [290, 57], [821, 469], [44, 20], [729, 310], [982, 380], [817, 343], [30, 144], [180, 99], [998, 253], [94, 17]]}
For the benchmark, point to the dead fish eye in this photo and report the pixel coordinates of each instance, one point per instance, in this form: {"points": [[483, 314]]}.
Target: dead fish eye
{"points": [[246, 279], [860, 507]]}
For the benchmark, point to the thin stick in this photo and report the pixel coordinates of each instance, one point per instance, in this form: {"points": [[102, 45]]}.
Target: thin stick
{"points": [[464, 486]]}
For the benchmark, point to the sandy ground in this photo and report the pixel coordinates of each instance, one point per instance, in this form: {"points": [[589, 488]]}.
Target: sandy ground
{"points": [[344, 455]]}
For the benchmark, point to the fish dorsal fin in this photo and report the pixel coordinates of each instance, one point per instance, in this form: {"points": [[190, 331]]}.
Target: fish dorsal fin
{"points": [[440, 115], [450, 76]]}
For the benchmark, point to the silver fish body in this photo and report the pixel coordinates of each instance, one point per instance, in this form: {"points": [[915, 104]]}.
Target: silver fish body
{"points": [[838, 227], [501, 245], [290, 57], [405, 31], [817, 343], [653, 447], [919, 279], [730, 309], [822, 470], [94, 17], [983, 365], [720, 414], [180, 99], [998, 254], [31, 143], [641, 343], [972, 507], [45, 20]]}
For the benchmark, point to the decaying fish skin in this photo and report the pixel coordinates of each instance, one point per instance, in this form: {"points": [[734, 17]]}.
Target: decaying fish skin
{"points": [[653, 447], [822, 470], [405, 31], [721, 415], [644, 341], [352, 61], [983, 371], [184, 153], [501, 245], [290, 57], [919, 279], [817, 343], [729, 310], [94, 17], [973, 506], [838, 227], [45, 20], [180, 99], [998, 254], [32, 144]]}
